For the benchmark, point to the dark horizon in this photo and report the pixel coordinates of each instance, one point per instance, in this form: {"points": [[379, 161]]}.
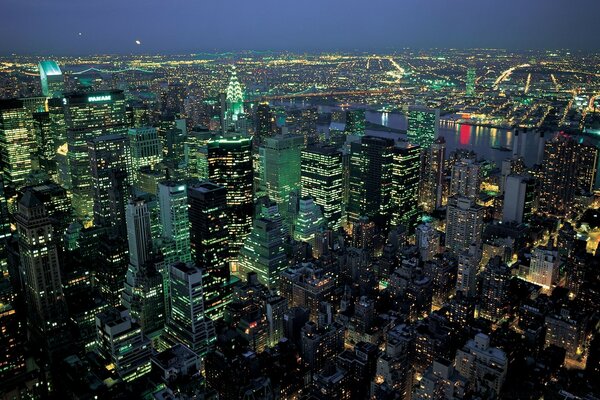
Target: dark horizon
{"points": [[67, 28]]}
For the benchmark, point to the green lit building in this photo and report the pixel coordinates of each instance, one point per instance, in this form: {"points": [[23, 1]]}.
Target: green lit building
{"points": [[175, 222], [263, 251], [370, 182], [146, 149], [422, 125], [89, 115], [405, 177], [322, 179], [230, 166], [53, 84], [17, 145], [280, 159], [355, 122], [470, 82]]}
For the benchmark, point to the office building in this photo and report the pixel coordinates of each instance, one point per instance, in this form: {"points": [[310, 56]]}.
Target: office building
{"points": [[355, 122], [17, 145], [265, 121], [209, 236], [230, 166], [405, 185], [187, 322], [174, 219], [470, 82], [466, 178], [280, 159], [146, 149], [89, 115], [431, 185], [544, 267], [322, 180], [263, 252], [53, 84], [495, 279], [110, 166], [422, 125], [519, 196], [370, 178]]}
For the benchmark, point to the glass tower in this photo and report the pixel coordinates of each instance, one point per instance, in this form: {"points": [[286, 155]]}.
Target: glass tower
{"points": [[422, 125]]}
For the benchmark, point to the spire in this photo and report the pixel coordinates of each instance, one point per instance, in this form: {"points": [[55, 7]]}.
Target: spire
{"points": [[235, 95]]}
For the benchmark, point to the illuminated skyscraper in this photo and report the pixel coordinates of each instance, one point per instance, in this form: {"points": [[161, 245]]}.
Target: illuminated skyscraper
{"points": [[174, 219], [405, 176], [89, 115], [371, 177], [235, 100], [569, 168], [53, 84], [230, 166], [519, 193], [280, 158], [309, 221], [466, 178], [432, 175], [146, 150], [544, 267], [209, 239], [265, 121], [110, 165], [423, 125], [495, 279], [355, 122], [263, 251], [47, 314], [470, 82], [17, 145], [322, 179], [49, 128], [187, 322], [464, 224]]}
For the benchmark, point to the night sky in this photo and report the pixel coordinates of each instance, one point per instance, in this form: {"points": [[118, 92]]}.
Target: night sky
{"points": [[177, 26]]}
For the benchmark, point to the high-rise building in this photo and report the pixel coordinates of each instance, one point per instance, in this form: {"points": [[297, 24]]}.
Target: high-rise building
{"points": [[466, 178], [265, 121], [146, 150], [422, 125], [280, 158], [209, 238], [309, 222], [431, 185], [110, 166], [47, 314], [263, 252], [355, 122], [464, 224], [17, 145], [427, 241], [53, 84], [544, 267], [470, 82], [322, 180], [235, 100], [49, 128], [174, 219], [483, 365], [87, 116], [230, 166], [495, 279], [122, 344], [370, 177], [569, 167], [519, 195], [405, 187], [187, 322]]}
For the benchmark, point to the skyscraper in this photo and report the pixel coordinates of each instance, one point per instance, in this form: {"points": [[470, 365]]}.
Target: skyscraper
{"points": [[265, 121], [53, 84], [230, 166], [569, 167], [263, 251], [466, 178], [431, 185], [187, 322], [322, 179], [17, 145], [235, 100], [370, 177], [422, 125], [209, 239], [110, 165], [519, 193], [355, 122], [146, 150], [174, 219], [405, 177], [89, 115], [544, 267], [280, 158], [464, 224], [495, 279], [47, 314]]}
